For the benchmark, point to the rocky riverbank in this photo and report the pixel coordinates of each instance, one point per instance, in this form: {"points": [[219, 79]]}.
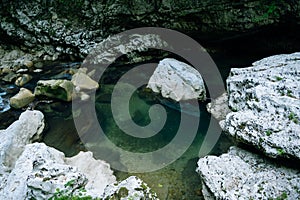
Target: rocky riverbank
{"points": [[41, 172], [265, 110]]}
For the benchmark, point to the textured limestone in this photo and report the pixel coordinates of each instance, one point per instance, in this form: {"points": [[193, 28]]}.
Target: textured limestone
{"points": [[130, 188], [177, 80], [240, 174], [219, 107], [265, 101]]}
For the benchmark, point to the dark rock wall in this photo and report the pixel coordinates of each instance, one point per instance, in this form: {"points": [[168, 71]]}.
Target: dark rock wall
{"points": [[73, 26]]}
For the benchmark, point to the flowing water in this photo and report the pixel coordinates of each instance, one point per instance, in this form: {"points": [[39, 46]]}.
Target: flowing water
{"points": [[175, 181]]}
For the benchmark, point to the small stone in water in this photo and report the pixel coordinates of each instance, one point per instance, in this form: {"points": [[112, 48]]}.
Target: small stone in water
{"points": [[23, 98], [22, 80], [28, 63]]}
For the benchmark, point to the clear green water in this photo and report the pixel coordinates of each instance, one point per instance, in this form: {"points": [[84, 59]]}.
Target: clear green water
{"points": [[177, 180]]}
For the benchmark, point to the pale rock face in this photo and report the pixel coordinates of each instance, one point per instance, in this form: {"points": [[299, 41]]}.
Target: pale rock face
{"points": [[97, 172], [130, 188], [59, 89], [36, 171], [265, 101], [22, 98], [27, 129], [177, 80], [219, 107], [240, 174], [41, 171], [84, 82]]}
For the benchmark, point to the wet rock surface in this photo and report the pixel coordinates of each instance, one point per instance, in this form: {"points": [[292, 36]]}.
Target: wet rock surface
{"points": [[240, 174], [265, 101], [22, 98]]}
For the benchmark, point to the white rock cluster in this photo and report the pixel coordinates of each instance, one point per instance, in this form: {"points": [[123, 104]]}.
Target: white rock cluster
{"points": [[36, 171]]}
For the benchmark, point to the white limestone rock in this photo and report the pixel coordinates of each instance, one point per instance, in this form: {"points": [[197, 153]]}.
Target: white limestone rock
{"points": [[39, 173], [83, 82], [97, 172], [265, 101], [219, 107], [130, 188], [240, 174], [177, 80], [42, 172], [26, 130]]}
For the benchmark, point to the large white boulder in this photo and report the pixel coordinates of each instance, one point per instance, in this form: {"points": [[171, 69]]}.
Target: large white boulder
{"points": [[177, 80], [39, 173], [266, 105], [240, 174], [36, 171]]}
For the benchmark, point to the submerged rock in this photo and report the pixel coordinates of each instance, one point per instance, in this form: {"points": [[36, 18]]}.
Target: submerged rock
{"points": [[22, 98], [58, 89], [131, 188], [22, 80], [240, 174], [266, 105], [10, 77], [177, 80]]}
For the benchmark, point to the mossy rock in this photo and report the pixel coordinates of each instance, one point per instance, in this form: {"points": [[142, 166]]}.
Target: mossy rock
{"points": [[58, 89]]}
